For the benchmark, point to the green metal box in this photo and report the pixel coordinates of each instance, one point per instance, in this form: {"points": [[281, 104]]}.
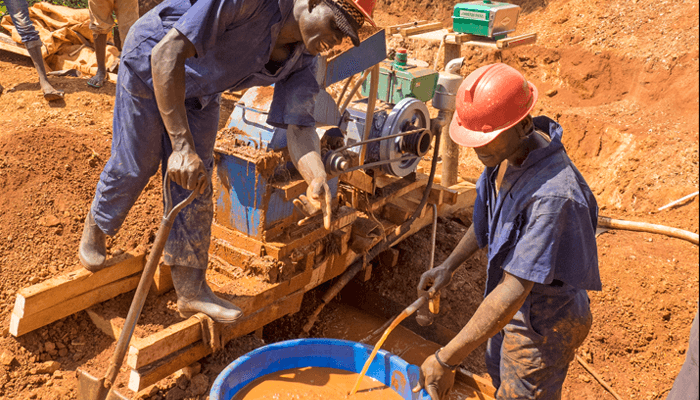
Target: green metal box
{"points": [[397, 83], [485, 18]]}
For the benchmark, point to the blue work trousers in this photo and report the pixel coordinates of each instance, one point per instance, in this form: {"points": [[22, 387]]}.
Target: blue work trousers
{"points": [[685, 387], [530, 357], [140, 144], [19, 12]]}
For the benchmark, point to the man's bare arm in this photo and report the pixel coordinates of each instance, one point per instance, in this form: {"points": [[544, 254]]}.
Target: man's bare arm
{"points": [[168, 68], [494, 313]]}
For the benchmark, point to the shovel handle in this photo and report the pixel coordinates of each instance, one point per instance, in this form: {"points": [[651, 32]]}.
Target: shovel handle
{"points": [[169, 213]]}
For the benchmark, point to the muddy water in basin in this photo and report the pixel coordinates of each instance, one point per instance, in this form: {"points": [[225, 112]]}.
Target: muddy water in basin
{"points": [[313, 383]]}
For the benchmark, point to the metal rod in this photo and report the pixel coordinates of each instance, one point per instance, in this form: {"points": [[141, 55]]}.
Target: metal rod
{"points": [[369, 115], [352, 93], [345, 87]]}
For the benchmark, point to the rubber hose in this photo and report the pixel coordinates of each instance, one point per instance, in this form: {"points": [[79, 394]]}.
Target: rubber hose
{"points": [[607, 222]]}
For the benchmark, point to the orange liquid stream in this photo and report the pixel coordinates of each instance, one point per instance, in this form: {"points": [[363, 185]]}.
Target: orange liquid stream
{"points": [[405, 313]]}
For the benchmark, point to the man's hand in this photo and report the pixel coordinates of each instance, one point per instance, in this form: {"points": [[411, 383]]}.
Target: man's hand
{"points": [[435, 379], [187, 170], [318, 198], [434, 280]]}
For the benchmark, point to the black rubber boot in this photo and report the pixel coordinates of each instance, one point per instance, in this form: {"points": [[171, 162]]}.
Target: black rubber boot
{"points": [[93, 251], [194, 295]]}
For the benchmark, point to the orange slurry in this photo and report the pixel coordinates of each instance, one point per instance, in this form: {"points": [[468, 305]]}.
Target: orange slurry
{"points": [[405, 313]]}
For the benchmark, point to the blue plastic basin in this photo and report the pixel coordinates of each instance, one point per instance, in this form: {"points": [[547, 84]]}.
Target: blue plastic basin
{"points": [[329, 353]]}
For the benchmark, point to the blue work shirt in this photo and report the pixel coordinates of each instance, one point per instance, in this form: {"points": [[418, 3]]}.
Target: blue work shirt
{"points": [[541, 225], [233, 41]]}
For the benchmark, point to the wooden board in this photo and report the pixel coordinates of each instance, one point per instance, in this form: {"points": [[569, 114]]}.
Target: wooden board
{"points": [[141, 378], [66, 294], [421, 28], [7, 44], [21, 325]]}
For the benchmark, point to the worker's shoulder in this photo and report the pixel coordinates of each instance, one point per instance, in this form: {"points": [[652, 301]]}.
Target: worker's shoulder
{"points": [[558, 179]]}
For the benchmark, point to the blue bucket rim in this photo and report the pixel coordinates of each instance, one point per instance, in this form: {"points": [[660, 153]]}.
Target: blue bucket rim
{"points": [[226, 372]]}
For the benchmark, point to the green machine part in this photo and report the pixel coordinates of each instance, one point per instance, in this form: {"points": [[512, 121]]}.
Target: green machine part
{"points": [[485, 18], [396, 82]]}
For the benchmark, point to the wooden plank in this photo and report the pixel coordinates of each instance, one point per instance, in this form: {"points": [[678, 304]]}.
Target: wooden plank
{"points": [[360, 180], [390, 30], [377, 204], [480, 384], [422, 28], [163, 343], [41, 296], [108, 326], [21, 325], [7, 44], [519, 40], [148, 375], [162, 280], [292, 189]]}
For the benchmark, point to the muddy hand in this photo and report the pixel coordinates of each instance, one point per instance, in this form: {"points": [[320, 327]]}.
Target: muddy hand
{"points": [[434, 280], [187, 170], [435, 379], [317, 198]]}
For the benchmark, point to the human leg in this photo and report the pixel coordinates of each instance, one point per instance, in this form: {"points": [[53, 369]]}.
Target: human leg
{"points": [[540, 342], [101, 23], [135, 156], [19, 13], [493, 358], [127, 14], [187, 248], [686, 384]]}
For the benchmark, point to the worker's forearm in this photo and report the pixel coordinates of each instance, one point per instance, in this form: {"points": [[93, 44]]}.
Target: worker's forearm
{"points": [[465, 248], [494, 313], [168, 67], [305, 150]]}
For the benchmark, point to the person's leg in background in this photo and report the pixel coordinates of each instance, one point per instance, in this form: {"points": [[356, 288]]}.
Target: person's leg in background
{"points": [[101, 23], [127, 12], [19, 12]]}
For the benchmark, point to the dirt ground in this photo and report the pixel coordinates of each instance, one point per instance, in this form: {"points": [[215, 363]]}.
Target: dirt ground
{"points": [[620, 76]]}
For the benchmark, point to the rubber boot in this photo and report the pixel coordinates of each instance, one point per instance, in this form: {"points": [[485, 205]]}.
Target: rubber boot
{"points": [[93, 250], [194, 295]]}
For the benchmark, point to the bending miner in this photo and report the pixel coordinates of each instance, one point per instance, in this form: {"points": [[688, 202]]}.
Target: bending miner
{"points": [[537, 216], [176, 61]]}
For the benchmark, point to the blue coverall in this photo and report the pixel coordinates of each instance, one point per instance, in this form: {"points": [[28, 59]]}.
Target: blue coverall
{"points": [[539, 227], [19, 13], [233, 41]]}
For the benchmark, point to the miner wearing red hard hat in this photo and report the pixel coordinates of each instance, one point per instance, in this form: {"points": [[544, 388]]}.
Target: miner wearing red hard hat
{"points": [[537, 216]]}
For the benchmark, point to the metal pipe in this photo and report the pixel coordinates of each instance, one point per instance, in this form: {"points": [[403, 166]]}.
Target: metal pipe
{"points": [[345, 86], [352, 93], [369, 115]]}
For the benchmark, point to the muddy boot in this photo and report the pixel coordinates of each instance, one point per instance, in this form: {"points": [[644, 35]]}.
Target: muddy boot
{"points": [[194, 295], [93, 251]]}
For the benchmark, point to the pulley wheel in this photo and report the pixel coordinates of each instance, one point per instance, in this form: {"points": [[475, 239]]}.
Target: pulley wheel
{"points": [[408, 114]]}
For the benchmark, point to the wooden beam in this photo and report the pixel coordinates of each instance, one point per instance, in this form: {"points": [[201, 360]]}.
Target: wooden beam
{"points": [[519, 40], [141, 378], [162, 280], [41, 296], [21, 325], [421, 28], [390, 30], [7, 44]]}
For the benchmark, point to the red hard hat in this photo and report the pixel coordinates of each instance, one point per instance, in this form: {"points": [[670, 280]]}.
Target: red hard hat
{"points": [[491, 99], [366, 7]]}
